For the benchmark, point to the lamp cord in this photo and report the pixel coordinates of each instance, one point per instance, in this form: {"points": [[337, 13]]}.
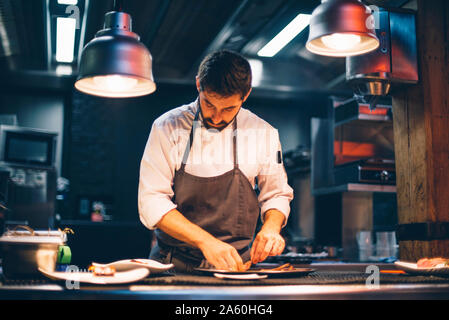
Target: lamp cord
{"points": [[118, 5]]}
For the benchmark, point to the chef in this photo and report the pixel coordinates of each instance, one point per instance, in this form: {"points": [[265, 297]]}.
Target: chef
{"points": [[200, 170]]}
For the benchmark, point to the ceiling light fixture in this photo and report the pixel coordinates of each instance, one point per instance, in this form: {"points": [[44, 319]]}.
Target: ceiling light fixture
{"points": [[342, 28], [298, 24], [68, 2], [115, 63], [65, 39]]}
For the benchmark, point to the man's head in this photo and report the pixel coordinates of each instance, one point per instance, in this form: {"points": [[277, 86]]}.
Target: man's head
{"points": [[223, 83]]}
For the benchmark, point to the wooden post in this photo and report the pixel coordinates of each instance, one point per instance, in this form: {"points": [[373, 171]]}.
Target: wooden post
{"points": [[421, 134]]}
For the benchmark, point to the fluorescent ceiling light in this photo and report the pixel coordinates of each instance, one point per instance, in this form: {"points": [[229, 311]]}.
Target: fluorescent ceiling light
{"points": [[65, 39], [73, 2], [285, 36]]}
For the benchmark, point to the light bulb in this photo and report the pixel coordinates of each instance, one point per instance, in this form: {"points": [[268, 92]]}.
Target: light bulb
{"points": [[115, 83], [341, 41]]}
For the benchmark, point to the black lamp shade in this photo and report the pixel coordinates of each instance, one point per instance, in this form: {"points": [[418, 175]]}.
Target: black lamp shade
{"points": [[115, 64]]}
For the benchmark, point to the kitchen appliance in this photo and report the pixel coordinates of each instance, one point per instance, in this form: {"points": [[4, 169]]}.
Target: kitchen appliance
{"points": [[352, 109], [393, 63], [27, 156], [376, 171], [31, 196], [23, 252], [27, 146]]}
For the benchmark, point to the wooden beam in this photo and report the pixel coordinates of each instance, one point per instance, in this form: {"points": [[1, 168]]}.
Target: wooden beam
{"points": [[421, 133]]}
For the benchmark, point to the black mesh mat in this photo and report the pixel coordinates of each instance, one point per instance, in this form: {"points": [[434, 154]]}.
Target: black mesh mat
{"points": [[314, 278], [24, 282]]}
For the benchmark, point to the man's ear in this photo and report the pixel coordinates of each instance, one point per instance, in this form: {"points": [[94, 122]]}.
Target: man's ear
{"points": [[198, 86], [247, 95]]}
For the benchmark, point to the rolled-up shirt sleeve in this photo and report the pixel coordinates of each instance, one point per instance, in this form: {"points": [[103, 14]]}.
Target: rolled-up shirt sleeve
{"points": [[156, 178], [275, 193]]}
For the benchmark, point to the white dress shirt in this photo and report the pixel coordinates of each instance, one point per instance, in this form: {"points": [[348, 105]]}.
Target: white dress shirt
{"points": [[258, 156]]}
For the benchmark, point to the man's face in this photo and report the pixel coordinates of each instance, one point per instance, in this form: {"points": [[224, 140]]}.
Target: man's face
{"points": [[218, 111]]}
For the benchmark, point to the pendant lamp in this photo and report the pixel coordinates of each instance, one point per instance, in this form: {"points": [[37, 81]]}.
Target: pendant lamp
{"points": [[342, 28], [115, 63]]}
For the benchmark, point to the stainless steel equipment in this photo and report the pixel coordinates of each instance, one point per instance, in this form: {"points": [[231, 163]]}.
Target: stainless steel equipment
{"points": [[27, 155], [23, 252], [31, 195], [377, 171], [394, 63]]}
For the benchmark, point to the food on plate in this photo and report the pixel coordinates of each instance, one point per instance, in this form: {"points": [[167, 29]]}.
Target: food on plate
{"points": [[138, 261], [284, 267], [432, 262], [102, 271]]}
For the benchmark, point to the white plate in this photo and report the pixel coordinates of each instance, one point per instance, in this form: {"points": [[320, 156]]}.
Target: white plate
{"points": [[270, 273], [413, 269], [129, 264], [89, 277], [250, 276]]}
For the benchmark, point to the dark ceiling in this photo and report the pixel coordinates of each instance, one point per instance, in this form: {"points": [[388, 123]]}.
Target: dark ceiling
{"points": [[179, 33]]}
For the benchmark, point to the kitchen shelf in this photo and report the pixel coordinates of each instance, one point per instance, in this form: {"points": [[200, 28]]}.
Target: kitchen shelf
{"points": [[364, 187], [365, 117], [108, 223]]}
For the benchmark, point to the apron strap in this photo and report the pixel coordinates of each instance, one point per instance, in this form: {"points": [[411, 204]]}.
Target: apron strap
{"points": [[192, 134], [234, 142], [190, 141]]}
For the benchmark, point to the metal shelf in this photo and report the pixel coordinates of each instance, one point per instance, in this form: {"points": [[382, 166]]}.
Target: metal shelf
{"points": [[365, 117], [356, 187]]}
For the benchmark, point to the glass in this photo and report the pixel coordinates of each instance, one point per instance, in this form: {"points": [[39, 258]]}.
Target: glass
{"points": [[365, 244], [386, 244]]}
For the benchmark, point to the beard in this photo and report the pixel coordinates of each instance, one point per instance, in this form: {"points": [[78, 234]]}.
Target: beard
{"points": [[210, 125]]}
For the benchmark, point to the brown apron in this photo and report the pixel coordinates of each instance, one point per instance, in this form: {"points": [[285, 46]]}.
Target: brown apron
{"points": [[226, 206]]}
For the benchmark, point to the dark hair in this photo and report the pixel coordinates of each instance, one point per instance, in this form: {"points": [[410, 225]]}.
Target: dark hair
{"points": [[225, 73]]}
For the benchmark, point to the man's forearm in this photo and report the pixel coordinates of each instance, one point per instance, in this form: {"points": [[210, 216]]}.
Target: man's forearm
{"points": [[273, 220], [176, 225], [218, 253]]}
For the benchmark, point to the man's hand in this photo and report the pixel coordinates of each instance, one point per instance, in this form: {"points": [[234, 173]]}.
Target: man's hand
{"points": [[218, 253], [221, 255], [268, 241]]}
